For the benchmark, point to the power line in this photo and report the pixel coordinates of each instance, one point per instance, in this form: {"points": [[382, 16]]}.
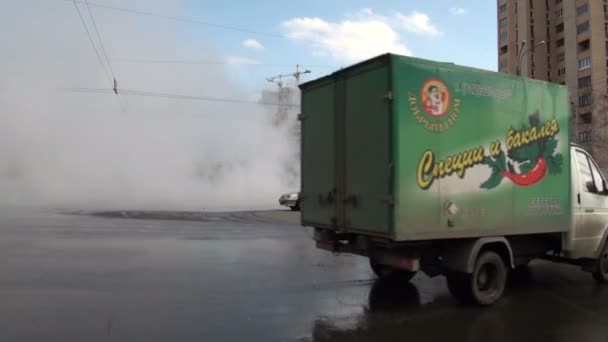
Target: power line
{"points": [[91, 41], [174, 96], [112, 79], [184, 20], [206, 23], [201, 22], [211, 62], [103, 49]]}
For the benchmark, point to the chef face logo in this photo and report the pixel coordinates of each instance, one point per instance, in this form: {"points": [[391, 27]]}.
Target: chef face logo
{"points": [[435, 97], [434, 108]]}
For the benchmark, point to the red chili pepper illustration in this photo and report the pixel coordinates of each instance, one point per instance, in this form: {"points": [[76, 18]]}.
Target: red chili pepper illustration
{"points": [[531, 177]]}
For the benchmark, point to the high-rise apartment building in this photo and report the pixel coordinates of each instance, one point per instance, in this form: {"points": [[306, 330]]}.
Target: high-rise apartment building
{"points": [[562, 41]]}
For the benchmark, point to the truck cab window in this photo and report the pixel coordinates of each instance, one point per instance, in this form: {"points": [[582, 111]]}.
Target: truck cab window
{"points": [[585, 171], [597, 177]]}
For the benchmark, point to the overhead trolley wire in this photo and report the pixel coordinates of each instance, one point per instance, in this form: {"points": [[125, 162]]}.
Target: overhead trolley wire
{"points": [[92, 42], [176, 96]]}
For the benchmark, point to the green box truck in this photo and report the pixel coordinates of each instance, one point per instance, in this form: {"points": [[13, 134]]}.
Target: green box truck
{"points": [[430, 166]]}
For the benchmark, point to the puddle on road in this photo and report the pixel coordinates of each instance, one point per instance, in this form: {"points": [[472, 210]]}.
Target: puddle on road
{"points": [[538, 308]]}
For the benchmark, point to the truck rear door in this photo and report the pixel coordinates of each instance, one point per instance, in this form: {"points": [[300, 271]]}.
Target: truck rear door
{"points": [[347, 149], [367, 150], [318, 155]]}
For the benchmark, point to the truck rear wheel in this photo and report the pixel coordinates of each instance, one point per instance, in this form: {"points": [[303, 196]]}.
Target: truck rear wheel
{"points": [[458, 284], [601, 268], [485, 286], [383, 270]]}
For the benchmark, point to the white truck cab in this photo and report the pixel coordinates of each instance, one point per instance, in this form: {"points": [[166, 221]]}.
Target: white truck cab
{"points": [[589, 209]]}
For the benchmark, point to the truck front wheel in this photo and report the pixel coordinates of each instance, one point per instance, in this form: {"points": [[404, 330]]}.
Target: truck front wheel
{"points": [[485, 286], [383, 270], [601, 268]]}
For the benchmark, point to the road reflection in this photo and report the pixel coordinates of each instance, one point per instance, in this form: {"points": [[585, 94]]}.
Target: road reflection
{"points": [[547, 303], [393, 294]]}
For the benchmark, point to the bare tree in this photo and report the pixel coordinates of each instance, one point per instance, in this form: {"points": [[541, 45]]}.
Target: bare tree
{"points": [[589, 124]]}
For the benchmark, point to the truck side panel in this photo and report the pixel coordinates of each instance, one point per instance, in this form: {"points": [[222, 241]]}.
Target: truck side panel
{"points": [[478, 153]]}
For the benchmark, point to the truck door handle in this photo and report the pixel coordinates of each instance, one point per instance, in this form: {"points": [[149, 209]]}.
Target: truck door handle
{"points": [[326, 199], [589, 210], [351, 199]]}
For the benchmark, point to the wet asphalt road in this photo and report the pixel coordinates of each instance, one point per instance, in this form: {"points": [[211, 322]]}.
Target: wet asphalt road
{"points": [[251, 276]]}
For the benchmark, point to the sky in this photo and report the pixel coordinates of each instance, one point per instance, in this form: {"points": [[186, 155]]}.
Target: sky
{"points": [[339, 33], [321, 35], [67, 141]]}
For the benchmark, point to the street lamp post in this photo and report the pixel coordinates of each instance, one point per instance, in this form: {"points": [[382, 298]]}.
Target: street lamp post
{"points": [[522, 53]]}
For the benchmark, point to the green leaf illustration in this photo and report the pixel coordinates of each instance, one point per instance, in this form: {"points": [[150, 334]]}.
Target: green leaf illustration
{"points": [[498, 166], [489, 162], [554, 164], [510, 167], [501, 162], [550, 146], [526, 167], [525, 153], [534, 119], [493, 181]]}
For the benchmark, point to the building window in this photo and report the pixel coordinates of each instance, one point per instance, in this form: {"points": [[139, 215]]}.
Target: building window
{"points": [[585, 100], [584, 82], [502, 8], [504, 49], [503, 22], [584, 63], [582, 28], [559, 13], [560, 57], [584, 45], [503, 63], [559, 42], [561, 71], [504, 36], [585, 118], [559, 28], [582, 9], [584, 137], [558, 2]]}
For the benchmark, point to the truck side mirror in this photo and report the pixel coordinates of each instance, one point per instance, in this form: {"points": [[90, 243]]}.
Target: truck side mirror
{"points": [[591, 187]]}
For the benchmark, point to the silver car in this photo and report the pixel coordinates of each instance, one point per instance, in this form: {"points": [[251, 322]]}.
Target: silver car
{"points": [[291, 200]]}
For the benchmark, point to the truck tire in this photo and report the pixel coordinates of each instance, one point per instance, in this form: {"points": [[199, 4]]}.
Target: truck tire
{"points": [[485, 286], [458, 285], [601, 266], [384, 270]]}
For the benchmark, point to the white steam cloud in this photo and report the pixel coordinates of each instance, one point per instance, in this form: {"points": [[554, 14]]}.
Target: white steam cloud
{"points": [[80, 150]]}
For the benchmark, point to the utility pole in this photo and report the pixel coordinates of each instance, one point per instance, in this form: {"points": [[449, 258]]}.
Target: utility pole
{"points": [[521, 53], [284, 93]]}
